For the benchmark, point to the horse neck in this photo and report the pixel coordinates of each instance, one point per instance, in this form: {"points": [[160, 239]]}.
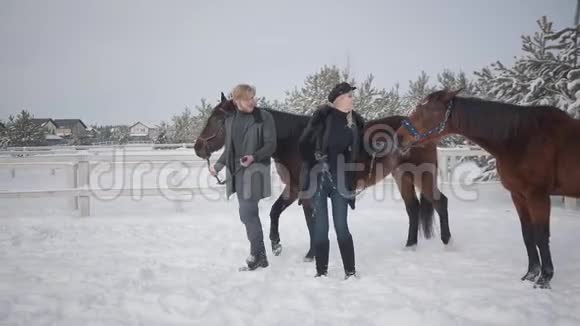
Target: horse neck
{"points": [[458, 125], [288, 129]]}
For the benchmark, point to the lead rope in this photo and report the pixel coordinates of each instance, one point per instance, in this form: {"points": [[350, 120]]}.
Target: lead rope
{"points": [[221, 182]]}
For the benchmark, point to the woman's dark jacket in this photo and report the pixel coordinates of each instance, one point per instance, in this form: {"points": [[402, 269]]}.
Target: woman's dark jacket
{"points": [[313, 146]]}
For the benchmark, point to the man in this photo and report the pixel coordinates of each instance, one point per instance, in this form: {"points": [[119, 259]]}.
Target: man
{"points": [[249, 144]]}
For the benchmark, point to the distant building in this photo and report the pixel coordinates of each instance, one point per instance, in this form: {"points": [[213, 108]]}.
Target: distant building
{"points": [[47, 124], [70, 128], [143, 132]]}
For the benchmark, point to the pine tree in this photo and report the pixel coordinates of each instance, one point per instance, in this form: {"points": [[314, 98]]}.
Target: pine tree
{"points": [[315, 90], [204, 110], [22, 131], [453, 81], [120, 134], [369, 101], [275, 105], [4, 137], [374, 103], [418, 90], [543, 75], [183, 125], [165, 135]]}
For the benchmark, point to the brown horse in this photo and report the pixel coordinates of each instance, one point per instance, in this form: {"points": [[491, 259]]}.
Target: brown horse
{"points": [[415, 169], [537, 153]]}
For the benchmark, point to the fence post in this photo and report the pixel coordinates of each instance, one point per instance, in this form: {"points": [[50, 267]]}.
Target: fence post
{"points": [[83, 178], [72, 183], [443, 166], [570, 203]]}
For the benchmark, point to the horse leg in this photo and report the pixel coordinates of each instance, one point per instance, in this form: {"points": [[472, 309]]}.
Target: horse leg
{"points": [[412, 205], [539, 206], [528, 234], [286, 199], [431, 192], [307, 208]]}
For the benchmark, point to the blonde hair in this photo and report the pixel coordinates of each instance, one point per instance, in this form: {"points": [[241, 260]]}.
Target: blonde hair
{"points": [[349, 122], [243, 91]]}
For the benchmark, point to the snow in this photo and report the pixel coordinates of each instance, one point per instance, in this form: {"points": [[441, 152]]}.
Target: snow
{"points": [[144, 262]]}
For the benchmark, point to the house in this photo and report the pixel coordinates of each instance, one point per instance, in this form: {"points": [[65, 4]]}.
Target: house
{"points": [[142, 131], [73, 128], [47, 124]]}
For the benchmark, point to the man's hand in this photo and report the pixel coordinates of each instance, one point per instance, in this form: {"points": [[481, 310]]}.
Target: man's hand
{"points": [[247, 160]]}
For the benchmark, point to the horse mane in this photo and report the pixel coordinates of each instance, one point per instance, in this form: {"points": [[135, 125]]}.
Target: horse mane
{"points": [[500, 121], [393, 121], [288, 125]]}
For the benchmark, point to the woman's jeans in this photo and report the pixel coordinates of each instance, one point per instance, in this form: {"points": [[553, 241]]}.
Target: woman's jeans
{"points": [[327, 188]]}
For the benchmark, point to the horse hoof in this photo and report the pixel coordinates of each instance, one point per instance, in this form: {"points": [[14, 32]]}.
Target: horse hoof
{"points": [[446, 240], [410, 247], [531, 275], [276, 248], [542, 283]]}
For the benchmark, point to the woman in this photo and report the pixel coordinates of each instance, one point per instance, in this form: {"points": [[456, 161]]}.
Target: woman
{"points": [[329, 146]]}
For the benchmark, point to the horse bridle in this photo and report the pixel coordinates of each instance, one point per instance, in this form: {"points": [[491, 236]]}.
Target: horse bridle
{"points": [[433, 131], [206, 140]]}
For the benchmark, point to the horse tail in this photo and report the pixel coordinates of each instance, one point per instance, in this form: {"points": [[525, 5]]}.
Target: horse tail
{"points": [[426, 216]]}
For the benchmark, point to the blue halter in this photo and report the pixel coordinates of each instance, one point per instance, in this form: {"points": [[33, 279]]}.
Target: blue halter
{"points": [[433, 131]]}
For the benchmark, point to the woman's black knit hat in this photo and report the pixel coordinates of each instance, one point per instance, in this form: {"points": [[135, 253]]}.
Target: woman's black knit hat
{"points": [[338, 90]]}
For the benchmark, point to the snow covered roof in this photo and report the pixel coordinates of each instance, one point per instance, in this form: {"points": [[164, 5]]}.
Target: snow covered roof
{"points": [[147, 125], [43, 122], [69, 123]]}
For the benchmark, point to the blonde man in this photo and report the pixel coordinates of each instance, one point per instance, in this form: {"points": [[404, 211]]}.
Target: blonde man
{"points": [[250, 143]]}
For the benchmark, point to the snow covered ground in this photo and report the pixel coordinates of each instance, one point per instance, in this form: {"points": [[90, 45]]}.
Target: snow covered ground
{"points": [[152, 262]]}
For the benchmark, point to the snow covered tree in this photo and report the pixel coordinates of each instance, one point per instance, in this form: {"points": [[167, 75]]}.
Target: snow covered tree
{"points": [[545, 74], [23, 131], [417, 91], [165, 135], [370, 101], [199, 120], [276, 105], [374, 103], [451, 80], [120, 134], [315, 90], [4, 137], [184, 125]]}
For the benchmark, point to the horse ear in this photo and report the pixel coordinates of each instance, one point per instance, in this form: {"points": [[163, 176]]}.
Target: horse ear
{"points": [[223, 97], [449, 95]]}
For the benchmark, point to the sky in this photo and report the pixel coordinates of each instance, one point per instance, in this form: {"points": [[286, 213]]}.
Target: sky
{"points": [[122, 61]]}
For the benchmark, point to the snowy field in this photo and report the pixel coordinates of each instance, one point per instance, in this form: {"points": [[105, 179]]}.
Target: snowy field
{"points": [[149, 261]]}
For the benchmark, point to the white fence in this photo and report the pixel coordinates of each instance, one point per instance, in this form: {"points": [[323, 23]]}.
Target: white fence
{"points": [[79, 161]]}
